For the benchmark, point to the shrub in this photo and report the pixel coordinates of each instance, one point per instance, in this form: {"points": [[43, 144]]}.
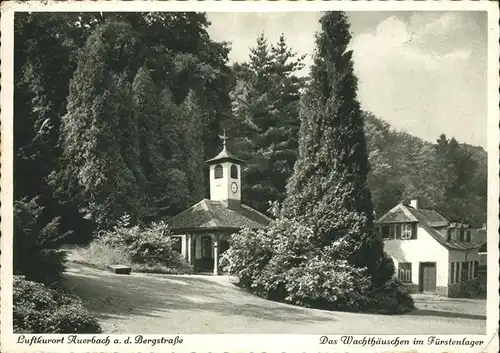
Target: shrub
{"points": [[145, 248], [102, 255], [390, 298], [283, 263], [72, 318], [39, 309], [248, 255], [327, 284], [475, 288], [35, 252], [147, 245]]}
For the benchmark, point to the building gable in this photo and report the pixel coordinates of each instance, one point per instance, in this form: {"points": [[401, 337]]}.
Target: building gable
{"points": [[429, 220], [397, 214]]}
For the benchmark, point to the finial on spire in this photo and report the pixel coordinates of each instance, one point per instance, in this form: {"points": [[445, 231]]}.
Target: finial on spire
{"points": [[223, 137]]}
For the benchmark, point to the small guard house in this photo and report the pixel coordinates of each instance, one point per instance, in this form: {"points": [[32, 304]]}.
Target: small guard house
{"points": [[204, 229]]}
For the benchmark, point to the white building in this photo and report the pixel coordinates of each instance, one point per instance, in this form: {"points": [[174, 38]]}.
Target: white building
{"points": [[431, 254], [204, 229]]}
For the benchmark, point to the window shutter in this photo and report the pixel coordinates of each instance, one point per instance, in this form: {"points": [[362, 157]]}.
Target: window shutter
{"points": [[414, 227], [398, 231]]}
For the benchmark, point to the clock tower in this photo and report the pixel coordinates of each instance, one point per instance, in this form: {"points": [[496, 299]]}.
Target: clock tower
{"points": [[225, 176]]}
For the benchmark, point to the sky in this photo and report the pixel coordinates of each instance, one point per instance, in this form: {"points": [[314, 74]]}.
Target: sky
{"points": [[423, 72]]}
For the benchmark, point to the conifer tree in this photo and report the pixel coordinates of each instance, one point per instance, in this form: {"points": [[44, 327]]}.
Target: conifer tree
{"points": [[265, 125], [328, 189], [100, 162], [192, 117]]}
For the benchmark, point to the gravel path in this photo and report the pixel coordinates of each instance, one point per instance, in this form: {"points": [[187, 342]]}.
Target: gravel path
{"points": [[156, 304]]}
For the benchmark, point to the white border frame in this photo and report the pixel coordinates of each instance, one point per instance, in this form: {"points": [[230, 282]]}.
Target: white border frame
{"points": [[231, 343]]}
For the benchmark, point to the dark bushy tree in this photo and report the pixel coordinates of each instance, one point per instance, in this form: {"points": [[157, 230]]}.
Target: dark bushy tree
{"points": [[36, 253], [322, 249], [100, 162], [328, 189]]}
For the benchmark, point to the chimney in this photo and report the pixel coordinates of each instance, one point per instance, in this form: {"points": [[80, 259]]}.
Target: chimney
{"points": [[414, 203]]}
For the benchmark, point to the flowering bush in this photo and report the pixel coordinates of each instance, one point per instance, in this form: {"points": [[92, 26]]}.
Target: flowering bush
{"points": [[284, 263], [248, 255], [146, 249], [145, 245]]}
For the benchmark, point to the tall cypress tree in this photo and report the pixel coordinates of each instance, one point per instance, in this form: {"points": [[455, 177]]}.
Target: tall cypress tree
{"points": [[328, 189], [101, 151]]}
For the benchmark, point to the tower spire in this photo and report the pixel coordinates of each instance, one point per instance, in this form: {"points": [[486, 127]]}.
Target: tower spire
{"points": [[223, 137]]}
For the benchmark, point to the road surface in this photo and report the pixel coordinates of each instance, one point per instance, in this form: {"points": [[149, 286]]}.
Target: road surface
{"points": [[195, 304]]}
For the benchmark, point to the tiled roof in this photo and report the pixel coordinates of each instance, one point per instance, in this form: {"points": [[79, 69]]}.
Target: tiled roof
{"points": [[428, 219], [210, 214], [453, 245]]}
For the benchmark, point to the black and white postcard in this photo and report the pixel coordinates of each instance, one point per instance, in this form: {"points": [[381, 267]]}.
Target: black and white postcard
{"points": [[249, 176]]}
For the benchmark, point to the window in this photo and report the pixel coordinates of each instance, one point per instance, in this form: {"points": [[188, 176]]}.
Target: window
{"points": [[407, 230], [471, 269], [457, 272], [234, 172], [462, 232], [385, 231], [392, 231], [465, 271], [177, 244], [448, 234], [218, 171], [452, 273], [404, 272], [468, 236], [476, 269], [399, 231], [206, 247]]}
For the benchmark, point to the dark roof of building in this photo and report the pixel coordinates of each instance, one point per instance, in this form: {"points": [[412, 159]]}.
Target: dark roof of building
{"points": [[224, 156], [428, 219], [210, 214]]}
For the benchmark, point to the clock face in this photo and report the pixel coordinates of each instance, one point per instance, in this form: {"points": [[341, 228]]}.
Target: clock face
{"points": [[234, 188]]}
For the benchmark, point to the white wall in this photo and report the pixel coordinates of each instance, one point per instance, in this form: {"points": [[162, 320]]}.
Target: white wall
{"points": [[220, 189], [423, 249], [184, 246]]}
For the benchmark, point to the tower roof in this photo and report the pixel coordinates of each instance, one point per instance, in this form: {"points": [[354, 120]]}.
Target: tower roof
{"points": [[224, 155]]}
